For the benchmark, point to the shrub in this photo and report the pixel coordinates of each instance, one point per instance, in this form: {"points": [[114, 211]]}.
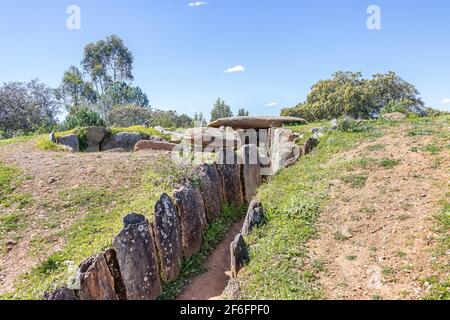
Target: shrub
{"points": [[127, 116], [83, 118], [352, 125]]}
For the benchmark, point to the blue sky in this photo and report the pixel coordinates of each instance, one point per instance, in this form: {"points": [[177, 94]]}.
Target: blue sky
{"points": [[285, 46]]}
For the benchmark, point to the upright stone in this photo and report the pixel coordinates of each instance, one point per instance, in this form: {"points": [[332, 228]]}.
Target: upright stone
{"points": [[113, 264], [137, 259], [251, 171], [52, 137], [283, 149], [61, 294], [254, 218], [230, 172], [94, 136], [95, 280], [191, 210], [239, 255], [167, 238], [310, 145], [211, 190], [71, 141]]}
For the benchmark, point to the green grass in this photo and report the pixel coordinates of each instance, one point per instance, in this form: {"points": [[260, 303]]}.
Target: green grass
{"points": [[143, 130], [293, 199], [45, 144], [355, 181], [387, 163], [5, 142]]}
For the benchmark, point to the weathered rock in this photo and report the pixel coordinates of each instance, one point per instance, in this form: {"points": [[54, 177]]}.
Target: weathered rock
{"points": [[167, 238], [92, 147], [95, 134], [52, 137], [283, 149], [191, 210], [230, 171], [239, 255], [254, 218], [70, 141], [113, 265], [334, 124], [60, 294], [95, 280], [212, 138], [124, 140], [251, 171], [233, 290], [153, 145], [310, 145], [136, 254], [255, 122], [211, 190], [394, 116]]}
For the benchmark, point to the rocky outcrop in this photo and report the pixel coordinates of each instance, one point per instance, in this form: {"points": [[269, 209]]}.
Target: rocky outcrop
{"points": [[94, 136], [254, 218], [70, 141], [154, 145], [255, 122], [230, 172], [167, 238], [211, 190], [251, 171], [136, 255], [191, 210], [124, 140], [61, 294], [94, 280], [283, 149], [239, 255]]}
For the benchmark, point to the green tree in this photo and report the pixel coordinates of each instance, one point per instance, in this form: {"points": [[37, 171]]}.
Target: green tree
{"points": [[121, 94], [220, 110], [108, 61], [74, 91], [349, 94], [243, 113], [199, 118], [131, 115]]}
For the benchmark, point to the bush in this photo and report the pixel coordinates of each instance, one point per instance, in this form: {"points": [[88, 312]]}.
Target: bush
{"points": [[83, 118], [127, 116], [351, 125]]}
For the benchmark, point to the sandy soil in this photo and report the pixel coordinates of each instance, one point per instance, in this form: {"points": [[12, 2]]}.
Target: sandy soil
{"points": [[211, 284], [377, 242]]}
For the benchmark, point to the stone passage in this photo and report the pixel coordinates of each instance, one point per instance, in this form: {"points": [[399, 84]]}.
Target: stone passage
{"points": [[145, 256]]}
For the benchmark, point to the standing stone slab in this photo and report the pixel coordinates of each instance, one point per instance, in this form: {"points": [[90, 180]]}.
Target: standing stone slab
{"points": [[124, 140], [191, 210], [95, 280], [136, 254], [70, 141], [167, 238], [113, 264], [239, 255], [94, 136], [283, 149], [230, 172], [254, 218], [251, 171], [211, 190]]}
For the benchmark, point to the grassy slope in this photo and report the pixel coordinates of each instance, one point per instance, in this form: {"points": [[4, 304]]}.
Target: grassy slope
{"points": [[280, 267], [104, 209]]}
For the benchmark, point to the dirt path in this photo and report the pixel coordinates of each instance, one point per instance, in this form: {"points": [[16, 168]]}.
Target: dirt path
{"points": [[45, 175], [211, 284], [377, 242]]}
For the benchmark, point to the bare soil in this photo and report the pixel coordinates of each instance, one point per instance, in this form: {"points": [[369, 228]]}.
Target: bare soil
{"points": [[211, 284], [377, 242], [45, 175]]}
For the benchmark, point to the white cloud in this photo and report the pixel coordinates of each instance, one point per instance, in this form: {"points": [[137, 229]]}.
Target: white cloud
{"points": [[197, 4], [271, 104], [238, 68], [446, 101]]}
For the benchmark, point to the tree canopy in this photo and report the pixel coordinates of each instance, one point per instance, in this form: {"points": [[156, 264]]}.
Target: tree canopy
{"points": [[220, 110], [349, 94]]}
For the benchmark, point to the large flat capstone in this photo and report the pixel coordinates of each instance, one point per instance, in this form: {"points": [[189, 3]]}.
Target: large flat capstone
{"points": [[255, 122]]}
